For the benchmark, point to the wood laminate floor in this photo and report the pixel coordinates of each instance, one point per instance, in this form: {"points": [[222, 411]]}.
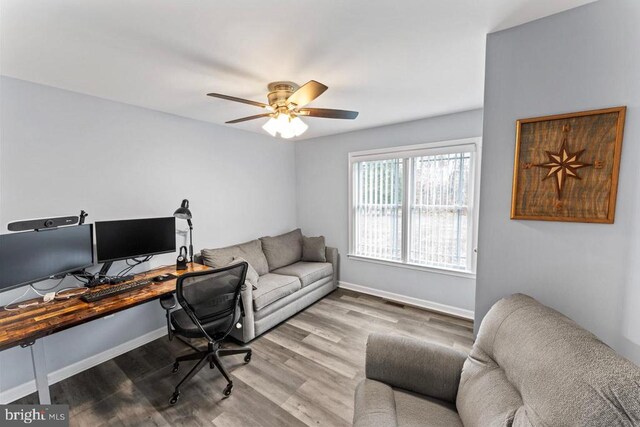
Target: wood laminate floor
{"points": [[303, 372]]}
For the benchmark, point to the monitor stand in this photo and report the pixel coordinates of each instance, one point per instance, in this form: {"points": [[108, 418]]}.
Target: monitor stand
{"points": [[100, 278]]}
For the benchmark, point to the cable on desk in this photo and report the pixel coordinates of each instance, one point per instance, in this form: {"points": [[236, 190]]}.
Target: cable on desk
{"points": [[16, 299], [131, 266], [47, 289]]}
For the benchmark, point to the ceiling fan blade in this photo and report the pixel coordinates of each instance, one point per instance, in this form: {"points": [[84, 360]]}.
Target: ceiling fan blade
{"points": [[307, 93], [233, 98], [244, 119], [327, 113]]}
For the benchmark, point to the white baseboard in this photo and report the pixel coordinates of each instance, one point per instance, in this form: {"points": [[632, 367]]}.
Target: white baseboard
{"points": [[29, 387], [416, 302]]}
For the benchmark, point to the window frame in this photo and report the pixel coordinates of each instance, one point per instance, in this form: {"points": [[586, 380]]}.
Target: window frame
{"points": [[407, 153]]}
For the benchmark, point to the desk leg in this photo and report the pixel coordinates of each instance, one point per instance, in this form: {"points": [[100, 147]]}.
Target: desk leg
{"points": [[40, 372]]}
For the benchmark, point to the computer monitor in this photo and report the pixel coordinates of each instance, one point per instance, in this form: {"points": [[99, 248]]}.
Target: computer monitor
{"points": [[132, 238], [32, 256]]}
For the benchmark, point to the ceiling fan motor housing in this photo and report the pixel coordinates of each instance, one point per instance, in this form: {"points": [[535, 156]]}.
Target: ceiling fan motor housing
{"points": [[279, 92]]}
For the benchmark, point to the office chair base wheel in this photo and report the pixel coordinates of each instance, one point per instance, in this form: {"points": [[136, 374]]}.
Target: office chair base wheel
{"points": [[174, 398], [227, 389], [176, 366], [247, 358]]}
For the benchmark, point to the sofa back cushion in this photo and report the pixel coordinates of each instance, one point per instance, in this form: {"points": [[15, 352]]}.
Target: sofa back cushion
{"points": [[314, 249], [250, 251], [530, 365], [282, 250], [252, 275]]}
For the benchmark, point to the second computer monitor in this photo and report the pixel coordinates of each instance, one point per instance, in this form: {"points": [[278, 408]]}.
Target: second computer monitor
{"points": [[32, 256], [131, 238]]}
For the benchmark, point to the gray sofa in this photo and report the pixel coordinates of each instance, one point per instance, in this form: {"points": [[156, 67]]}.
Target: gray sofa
{"points": [[286, 284], [530, 366]]}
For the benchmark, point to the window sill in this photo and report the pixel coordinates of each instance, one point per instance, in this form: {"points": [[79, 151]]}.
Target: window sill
{"points": [[445, 271]]}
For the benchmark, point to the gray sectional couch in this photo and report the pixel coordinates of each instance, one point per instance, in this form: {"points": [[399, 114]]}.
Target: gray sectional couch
{"points": [[285, 284], [530, 366]]}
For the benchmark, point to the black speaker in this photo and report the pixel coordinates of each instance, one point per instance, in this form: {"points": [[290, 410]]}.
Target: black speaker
{"points": [[38, 224]]}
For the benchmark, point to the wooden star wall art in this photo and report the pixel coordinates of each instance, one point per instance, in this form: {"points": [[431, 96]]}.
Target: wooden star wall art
{"points": [[566, 166]]}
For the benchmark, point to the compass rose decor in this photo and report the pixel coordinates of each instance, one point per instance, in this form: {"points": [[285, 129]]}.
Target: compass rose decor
{"points": [[566, 166], [563, 164]]}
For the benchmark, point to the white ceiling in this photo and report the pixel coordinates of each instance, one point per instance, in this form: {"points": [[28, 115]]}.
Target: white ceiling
{"points": [[391, 60]]}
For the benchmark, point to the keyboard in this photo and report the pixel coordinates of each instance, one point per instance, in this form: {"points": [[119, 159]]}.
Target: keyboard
{"points": [[114, 290]]}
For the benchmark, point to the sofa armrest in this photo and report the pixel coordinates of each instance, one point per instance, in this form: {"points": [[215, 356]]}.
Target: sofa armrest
{"points": [[198, 259], [332, 257], [248, 325], [418, 366], [374, 405]]}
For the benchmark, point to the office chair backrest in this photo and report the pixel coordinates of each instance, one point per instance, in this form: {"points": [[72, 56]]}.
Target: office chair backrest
{"points": [[212, 295]]}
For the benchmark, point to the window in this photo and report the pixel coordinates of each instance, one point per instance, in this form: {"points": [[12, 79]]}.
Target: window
{"points": [[416, 205]]}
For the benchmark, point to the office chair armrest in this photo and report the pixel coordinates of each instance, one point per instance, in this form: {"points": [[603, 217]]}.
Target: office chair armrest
{"points": [[168, 302], [417, 366]]}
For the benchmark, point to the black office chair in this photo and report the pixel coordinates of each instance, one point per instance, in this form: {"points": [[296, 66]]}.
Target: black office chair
{"points": [[210, 308]]}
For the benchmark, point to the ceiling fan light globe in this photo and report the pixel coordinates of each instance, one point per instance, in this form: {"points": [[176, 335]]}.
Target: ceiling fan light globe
{"points": [[282, 125], [299, 127], [283, 120], [287, 133], [271, 127]]}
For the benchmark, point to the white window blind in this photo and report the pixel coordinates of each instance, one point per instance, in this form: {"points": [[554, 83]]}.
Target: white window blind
{"points": [[378, 208], [440, 210], [415, 205]]}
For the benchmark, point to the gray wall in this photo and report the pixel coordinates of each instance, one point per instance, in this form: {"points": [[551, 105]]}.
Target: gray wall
{"points": [[322, 194], [62, 152], [585, 58]]}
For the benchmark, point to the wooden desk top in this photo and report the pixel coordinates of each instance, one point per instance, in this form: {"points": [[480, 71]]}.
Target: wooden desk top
{"points": [[27, 324]]}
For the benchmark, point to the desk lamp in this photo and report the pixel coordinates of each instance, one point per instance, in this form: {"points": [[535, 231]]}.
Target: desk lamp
{"points": [[183, 212]]}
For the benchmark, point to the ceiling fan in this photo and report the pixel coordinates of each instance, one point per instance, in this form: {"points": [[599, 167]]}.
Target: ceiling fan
{"points": [[285, 105]]}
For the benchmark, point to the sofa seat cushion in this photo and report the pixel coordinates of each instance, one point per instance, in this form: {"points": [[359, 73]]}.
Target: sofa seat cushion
{"points": [[291, 300], [307, 272], [379, 405], [250, 251], [272, 287], [413, 410]]}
